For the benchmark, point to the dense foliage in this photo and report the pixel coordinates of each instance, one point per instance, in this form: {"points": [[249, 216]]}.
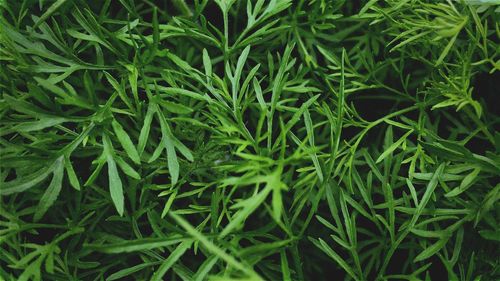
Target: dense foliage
{"points": [[249, 140]]}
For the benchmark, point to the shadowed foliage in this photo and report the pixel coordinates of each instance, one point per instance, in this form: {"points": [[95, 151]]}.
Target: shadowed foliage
{"points": [[249, 140]]}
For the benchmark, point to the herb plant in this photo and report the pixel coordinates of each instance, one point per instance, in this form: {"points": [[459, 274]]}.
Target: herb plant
{"points": [[249, 140]]}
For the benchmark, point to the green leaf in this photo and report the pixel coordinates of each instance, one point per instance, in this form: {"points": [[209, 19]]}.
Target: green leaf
{"points": [[176, 107], [128, 246], [277, 201], [235, 81], [207, 63], [258, 93], [172, 162], [126, 168], [168, 143], [183, 150], [115, 183], [493, 235], [169, 203], [119, 89], [73, 179], [171, 260], [26, 182], [52, 192], [320, 243], [446, 50], [205, 268], [132, 79], [310, 134], [429, 190], [469, 179], [393, 147], [156, 31], [40, 124], [248, 206], [49, 12], [348, 222], [285, 269], [465, 183], [296, 116], [212, 248], [127, 272], [146, 128], [431, 250], [183, 92], [126, 142], [367, 7]]}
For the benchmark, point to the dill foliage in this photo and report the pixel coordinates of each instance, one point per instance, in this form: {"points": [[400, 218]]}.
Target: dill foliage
{"points": [[249, 140]]}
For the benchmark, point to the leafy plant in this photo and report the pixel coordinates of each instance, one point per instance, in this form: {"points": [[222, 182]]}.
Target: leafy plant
{"points": [[249, 140]]}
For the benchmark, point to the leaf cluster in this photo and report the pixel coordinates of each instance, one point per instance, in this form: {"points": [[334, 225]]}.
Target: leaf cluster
{"points": [[249, 140]]}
